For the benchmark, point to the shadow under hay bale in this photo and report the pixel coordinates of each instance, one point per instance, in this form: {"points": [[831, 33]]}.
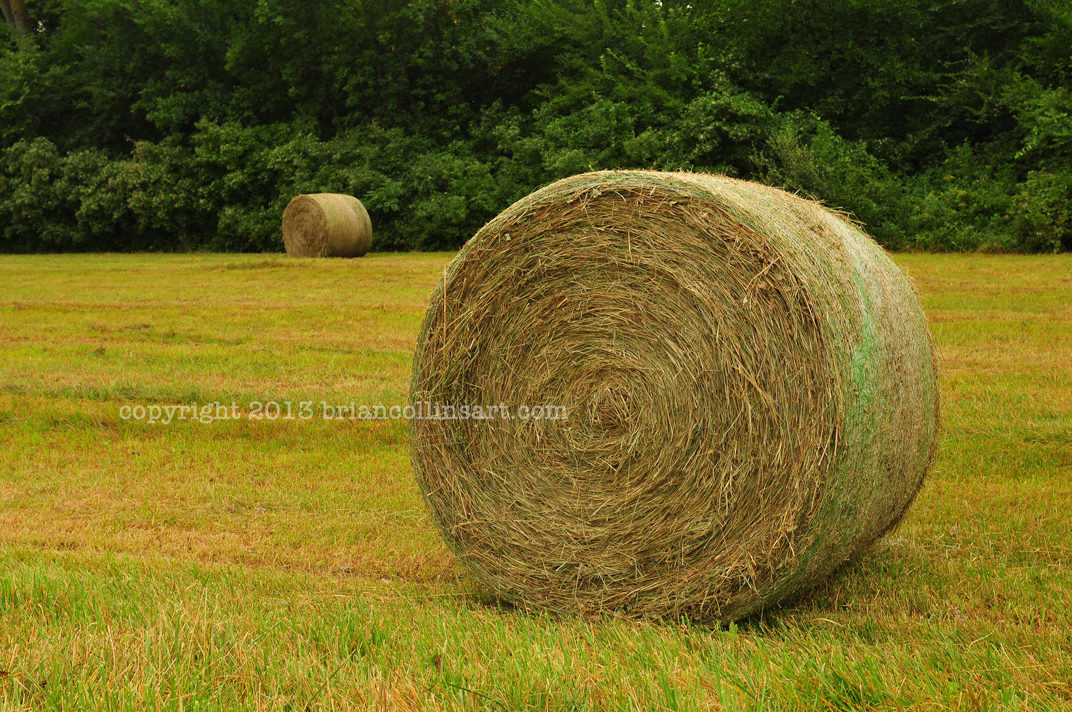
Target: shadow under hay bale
{"points": [[326, 225], [750, 388]]}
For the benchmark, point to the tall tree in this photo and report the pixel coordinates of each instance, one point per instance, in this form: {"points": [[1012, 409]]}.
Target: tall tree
{"points": [[16, 16]]}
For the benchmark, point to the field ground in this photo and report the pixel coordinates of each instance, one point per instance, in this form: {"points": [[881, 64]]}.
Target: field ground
{"points": [[289, 564]]}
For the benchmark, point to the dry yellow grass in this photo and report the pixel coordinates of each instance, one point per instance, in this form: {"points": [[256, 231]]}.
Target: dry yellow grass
{"points": [[291, 564]]}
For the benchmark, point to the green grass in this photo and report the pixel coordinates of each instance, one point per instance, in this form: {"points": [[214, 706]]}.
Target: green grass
{"points": [[291, 565]]}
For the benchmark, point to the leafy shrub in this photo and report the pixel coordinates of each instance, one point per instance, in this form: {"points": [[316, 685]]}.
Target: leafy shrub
{"points": [[963, 204], [1043, 213], [804, 154], [719, 131], [32, 212]]}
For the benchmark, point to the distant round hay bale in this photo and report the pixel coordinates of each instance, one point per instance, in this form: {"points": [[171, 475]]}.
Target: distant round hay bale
{"points": [[326, 225], [749, 384]]}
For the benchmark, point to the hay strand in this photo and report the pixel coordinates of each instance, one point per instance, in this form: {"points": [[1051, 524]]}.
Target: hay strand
{"points": [[750, 388], [326, 225]]}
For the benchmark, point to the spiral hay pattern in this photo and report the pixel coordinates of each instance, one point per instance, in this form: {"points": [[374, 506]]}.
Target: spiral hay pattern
{"points": [[326, 225], [749, 383]]}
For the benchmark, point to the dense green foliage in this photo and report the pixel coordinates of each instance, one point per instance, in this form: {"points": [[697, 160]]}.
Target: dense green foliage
{"points": [[187, 124]]}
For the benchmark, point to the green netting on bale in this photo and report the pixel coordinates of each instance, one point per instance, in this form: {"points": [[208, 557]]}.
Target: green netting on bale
{"points": [[749, 383]]}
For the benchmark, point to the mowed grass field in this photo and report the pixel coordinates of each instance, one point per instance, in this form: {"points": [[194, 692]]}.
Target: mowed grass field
{"points": [[290, 564]]}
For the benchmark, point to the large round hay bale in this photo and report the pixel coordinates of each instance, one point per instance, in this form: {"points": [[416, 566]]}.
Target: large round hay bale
{"points": [[326, 225], [749, 384]]}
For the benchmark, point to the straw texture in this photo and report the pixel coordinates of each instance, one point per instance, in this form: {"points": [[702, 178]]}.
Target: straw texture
{"points": [[326, 225], [749, 383]]}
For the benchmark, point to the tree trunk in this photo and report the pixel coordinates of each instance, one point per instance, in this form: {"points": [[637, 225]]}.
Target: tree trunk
{"points": [[16, 16], [8, 17]]}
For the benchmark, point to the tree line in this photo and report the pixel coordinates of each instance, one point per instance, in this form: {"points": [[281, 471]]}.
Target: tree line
{"points": [[189, 124]]}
